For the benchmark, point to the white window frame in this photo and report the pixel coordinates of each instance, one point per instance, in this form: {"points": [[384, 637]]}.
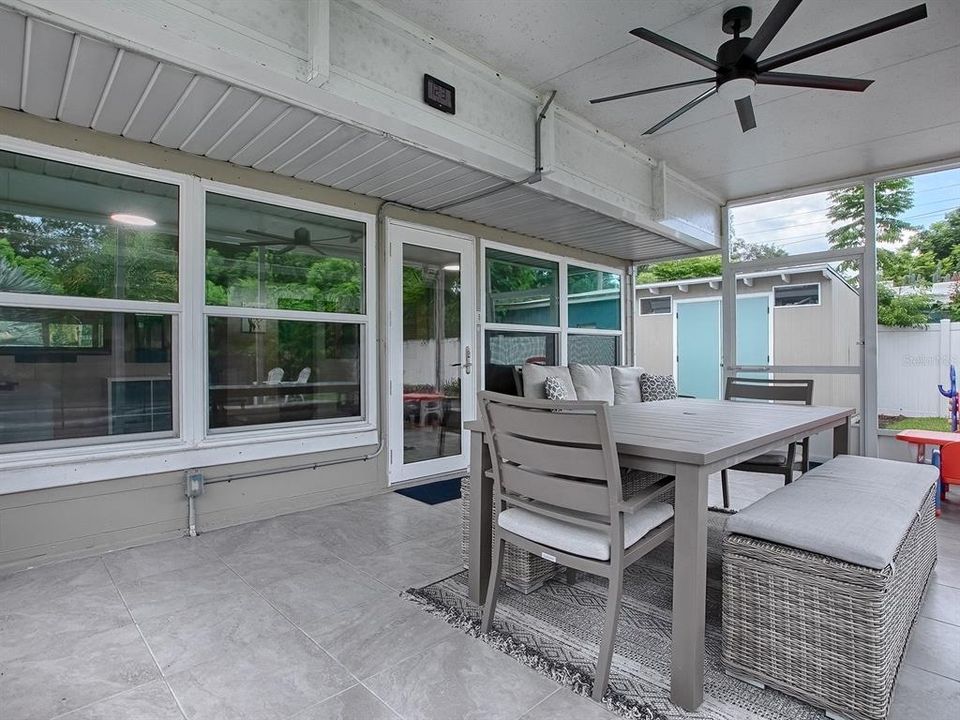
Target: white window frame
{"points": [[655, 297], [102, 458], [562, 331], [800, 305]]}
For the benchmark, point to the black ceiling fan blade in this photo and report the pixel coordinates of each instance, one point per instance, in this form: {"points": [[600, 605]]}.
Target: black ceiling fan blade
{"points": [[819, 82], [748, 121], [846, 37], [677, 48], [621, 96], [689, 106], [770, 27]]}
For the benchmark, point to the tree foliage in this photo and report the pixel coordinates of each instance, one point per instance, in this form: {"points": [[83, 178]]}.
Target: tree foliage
{"points": [[893, 198], [902, 310]]}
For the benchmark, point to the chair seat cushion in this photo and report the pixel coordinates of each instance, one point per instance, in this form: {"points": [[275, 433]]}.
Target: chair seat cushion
{"points": [[851, 508], [578, 540], [775, 458]]}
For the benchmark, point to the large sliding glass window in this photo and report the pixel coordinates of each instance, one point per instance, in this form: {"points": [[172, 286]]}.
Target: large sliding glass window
{"points": [[285, 314], [543, 309], [89, 301]]}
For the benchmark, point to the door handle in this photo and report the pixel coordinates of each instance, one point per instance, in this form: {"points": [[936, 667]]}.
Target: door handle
{"points": [[467, 365]]}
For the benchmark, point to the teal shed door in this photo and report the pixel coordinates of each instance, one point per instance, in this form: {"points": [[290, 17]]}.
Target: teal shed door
{"points": [[698, 343], [698, 348]]}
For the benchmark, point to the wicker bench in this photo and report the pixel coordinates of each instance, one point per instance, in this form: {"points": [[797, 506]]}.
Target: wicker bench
{"points": [[823, 579], [525, 571]]}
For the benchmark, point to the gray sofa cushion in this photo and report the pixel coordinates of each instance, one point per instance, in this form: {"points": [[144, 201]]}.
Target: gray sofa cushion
{"points": [[626, 385], [852, 508], [534, 375], [592, 382]]}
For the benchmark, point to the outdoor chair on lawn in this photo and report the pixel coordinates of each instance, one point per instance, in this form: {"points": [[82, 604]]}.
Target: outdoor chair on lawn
{"points": [[778, 462], [559, 495]]}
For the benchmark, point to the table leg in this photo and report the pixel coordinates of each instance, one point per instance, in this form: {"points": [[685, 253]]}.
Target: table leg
{"points": [[689, 587], [481, 527], [921, 453], [841, 438]]}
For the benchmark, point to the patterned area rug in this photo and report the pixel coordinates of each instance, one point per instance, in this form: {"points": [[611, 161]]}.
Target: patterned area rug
{"points": [[556, 630]]}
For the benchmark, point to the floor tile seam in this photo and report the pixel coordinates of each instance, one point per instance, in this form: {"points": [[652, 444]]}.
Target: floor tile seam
{"points": [[389, 707], [146, 644], [932, 672], [58, 716], [412, 655], [300, 713], [937, 619], [367, 574], [302, 632], [538, 703]]}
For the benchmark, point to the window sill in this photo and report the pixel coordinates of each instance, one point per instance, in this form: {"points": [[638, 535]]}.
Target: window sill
{"points": [[22, 472]]}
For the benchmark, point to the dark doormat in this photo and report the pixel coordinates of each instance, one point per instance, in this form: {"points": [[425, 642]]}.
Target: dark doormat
{"points": [[434, 493]]}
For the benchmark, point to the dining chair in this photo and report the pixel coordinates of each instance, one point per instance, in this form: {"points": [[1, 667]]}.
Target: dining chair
{"points": [[558, 495], [777, 462]]}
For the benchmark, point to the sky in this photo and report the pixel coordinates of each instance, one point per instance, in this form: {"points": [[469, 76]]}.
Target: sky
{"points": [[800, 224]]}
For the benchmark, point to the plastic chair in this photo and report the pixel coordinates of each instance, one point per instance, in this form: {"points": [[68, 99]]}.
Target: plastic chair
{"points": [[949, 466]]}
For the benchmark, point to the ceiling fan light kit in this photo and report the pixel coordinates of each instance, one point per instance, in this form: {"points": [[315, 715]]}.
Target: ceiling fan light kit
{"points": [[738, 68]]}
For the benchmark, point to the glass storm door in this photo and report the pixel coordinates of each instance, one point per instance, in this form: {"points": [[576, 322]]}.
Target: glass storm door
{"points": [[431, 355]]}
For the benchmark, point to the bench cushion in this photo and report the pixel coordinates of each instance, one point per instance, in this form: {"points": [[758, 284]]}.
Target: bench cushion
{"points": [[626, 385], [535, 375], [580, 540], [592, 382], [852, 508]]}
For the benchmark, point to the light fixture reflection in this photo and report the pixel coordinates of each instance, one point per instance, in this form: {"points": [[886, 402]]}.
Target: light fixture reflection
{"points": [[135, 220], [452, 268]]}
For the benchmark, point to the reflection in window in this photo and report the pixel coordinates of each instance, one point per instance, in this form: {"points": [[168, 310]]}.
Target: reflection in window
{"points": [[267, 256], [80, 374], [593, 349], [67, 230], [656, 305], [521, 290], [593, 298], [787, 295], [264, 371], [506, 350]]}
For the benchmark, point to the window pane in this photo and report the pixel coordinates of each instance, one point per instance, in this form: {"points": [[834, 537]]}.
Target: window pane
{"points": [[522, 290], [77, 374], [787, 295], [656, 305], [593, 298], [506, 350], [281, 371], [71, 230], [593, 349], [267, 256]]}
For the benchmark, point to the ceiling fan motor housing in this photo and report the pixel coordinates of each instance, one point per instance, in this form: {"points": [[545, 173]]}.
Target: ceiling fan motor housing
{"points": [[737, 75]]}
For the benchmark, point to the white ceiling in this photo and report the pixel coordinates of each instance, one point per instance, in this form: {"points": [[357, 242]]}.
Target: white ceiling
{"points": [[54, 73], [910, 115]]}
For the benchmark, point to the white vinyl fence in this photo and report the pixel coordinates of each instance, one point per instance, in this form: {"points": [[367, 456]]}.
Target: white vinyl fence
{"points": [[912, 362]]}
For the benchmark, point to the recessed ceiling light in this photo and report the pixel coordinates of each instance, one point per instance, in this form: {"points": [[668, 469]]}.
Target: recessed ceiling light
{"points": [[452, 268], [128, 219]]}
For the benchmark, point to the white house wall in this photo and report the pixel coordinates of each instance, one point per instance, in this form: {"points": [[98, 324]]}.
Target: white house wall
{"points": [[372, 64]]}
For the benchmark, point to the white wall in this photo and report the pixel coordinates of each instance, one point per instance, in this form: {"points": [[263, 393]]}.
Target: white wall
{"points": [[912, 362]]}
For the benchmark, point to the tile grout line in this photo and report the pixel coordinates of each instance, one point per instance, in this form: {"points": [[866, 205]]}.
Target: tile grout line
{"points": [[539, 703], [932, 672], [143, 638]]}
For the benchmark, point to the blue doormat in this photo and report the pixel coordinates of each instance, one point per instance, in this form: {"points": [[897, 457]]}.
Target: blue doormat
{"points": [[434, 493]]}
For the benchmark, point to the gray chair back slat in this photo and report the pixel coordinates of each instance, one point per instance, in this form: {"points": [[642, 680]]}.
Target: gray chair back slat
{"points": [[559, 453], [770, 390]]}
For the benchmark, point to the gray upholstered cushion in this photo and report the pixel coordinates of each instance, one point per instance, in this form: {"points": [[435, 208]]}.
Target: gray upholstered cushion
{"points": [[554, 388], [657, 387], [592, 382], [534, 375], [626, 385], [579, 540], [852, 508]]}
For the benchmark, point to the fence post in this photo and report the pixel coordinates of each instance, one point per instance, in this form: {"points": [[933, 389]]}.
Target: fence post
{"points": [[943, 364]]}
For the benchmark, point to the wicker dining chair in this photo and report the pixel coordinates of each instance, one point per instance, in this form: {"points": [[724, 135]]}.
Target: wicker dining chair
{"points": [[559, 496], [781, 462]]}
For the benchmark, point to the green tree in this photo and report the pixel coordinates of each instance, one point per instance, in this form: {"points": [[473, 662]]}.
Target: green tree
{"points": [[742, 251], [893, 198], [686, 269], [952, 309], [941, 240], [900, 310]]}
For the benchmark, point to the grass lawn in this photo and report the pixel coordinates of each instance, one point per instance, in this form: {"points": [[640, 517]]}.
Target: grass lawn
{"points": [[916, 423]]}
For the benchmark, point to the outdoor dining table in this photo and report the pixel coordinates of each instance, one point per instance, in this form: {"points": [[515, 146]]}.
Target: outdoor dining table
{"points": [[689, 439]]}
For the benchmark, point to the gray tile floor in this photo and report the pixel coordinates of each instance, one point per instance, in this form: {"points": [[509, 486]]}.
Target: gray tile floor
{"points": [[298, 618]]}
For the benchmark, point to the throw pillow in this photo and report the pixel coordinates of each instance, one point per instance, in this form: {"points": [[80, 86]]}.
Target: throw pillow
{"points": [[592, 382], [626, 385], [657, 387], [554, 388]]}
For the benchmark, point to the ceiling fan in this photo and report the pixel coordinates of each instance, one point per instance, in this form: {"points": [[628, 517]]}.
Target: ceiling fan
{"points": [[301, 239], [738, 68]]}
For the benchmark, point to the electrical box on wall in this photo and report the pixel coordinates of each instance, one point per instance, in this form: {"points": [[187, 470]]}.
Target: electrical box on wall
{"points": [[440, 95]]}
